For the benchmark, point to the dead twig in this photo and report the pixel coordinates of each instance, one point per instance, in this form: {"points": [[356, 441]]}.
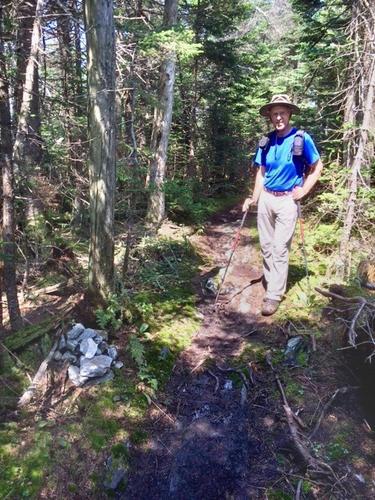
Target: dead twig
{"points": [[282, 392], [341, 390], [163, 412], [217, 384], [298, 490]]}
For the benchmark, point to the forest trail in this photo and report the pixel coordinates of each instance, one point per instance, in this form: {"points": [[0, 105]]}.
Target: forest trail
{"points": [[215, 435]]}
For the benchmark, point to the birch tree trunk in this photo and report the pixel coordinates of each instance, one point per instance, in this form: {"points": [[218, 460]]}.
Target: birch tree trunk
{"points": [[162, 126], [8, 250], [360, 101], [101, 134]]}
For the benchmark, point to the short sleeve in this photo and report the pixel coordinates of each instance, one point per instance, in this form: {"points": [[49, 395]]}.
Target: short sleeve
{"points": [[258, 158], [310, 151]]}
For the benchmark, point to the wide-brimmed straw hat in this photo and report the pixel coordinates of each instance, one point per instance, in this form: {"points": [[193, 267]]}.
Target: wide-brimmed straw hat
{"points": [[281, 100]]}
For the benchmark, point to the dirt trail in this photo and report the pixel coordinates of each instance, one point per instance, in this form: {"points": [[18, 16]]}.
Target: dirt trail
{"points": [[215, 438]]}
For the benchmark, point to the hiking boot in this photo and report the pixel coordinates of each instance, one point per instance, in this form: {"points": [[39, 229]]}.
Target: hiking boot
{"points": [[269, 307]]}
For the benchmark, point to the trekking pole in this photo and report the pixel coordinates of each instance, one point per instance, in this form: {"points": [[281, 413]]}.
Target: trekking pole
{"points": [[302, 232], [234, 246]]}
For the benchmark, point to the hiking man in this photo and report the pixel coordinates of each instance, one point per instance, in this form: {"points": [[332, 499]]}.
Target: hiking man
{"points": [[288, 166]]}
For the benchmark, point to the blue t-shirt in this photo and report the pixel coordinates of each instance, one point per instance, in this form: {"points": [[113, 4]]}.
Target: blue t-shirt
{"points": [[283, 170]]}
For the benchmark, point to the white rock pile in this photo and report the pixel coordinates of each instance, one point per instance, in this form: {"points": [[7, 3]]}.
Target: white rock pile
{"points": [[89, 355]]}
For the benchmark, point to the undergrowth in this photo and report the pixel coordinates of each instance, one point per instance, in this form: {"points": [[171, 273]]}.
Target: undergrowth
{"points": [[153, 320]]}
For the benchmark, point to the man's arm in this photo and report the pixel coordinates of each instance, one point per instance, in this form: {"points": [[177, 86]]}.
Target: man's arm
{"points": [[259, 181], [312, 177]]}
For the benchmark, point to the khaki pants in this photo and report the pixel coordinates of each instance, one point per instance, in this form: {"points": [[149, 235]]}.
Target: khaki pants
{"points": [[277, 216]]}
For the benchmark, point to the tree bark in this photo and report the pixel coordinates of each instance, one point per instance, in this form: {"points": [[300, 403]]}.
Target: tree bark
{"points": [[359, 138], [8, 251], [101, 135], [31, 143], [161, 126]]}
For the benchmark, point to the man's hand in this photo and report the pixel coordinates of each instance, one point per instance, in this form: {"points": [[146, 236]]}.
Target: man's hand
{"points": [[298, 193], [247, 203]]}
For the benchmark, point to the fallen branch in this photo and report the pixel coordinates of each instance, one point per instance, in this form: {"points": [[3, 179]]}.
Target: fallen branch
{"points": [[304, 454], [299, 490], [282, 392], [360, 314], [350, 300], [38, 378], [52, 288]]}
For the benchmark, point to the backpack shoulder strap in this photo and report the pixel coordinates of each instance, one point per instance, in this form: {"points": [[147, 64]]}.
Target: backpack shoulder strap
{"points": [[264, 145], [298, 142]]}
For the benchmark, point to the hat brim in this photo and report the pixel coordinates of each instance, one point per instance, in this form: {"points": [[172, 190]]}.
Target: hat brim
{"points": [[265, 110]]}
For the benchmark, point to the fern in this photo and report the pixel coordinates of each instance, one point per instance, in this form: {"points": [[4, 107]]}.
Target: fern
{"points": [[137, 351]]}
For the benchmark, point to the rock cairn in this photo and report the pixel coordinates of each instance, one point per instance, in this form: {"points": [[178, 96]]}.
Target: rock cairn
{"points": [[89, 355]]}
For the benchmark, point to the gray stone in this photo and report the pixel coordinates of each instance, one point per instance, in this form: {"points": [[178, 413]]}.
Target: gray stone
{"points": [[68, 356], [119, 364], [103, 346], [71, 344], [228, 386], [101, 380], [95, 367], [98, 339], [62, 342], [75, 377], [102, 333], [88, 333], [75, 332], [57, 356], [98, 351], [88, 348], [117, 476], [112, 352]]}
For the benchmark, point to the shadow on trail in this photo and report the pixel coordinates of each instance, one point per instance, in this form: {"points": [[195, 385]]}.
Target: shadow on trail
{"points": [[214, 432], [216, 436]]}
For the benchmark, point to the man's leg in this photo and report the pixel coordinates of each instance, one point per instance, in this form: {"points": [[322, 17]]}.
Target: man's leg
{"points": [[285, 223], [266, 229]]}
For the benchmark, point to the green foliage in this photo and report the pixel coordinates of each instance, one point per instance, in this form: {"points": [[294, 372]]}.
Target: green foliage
{"points": [[178, 42], [111, 316], [166, 265], [22, 475], [185, 204], [338, 448], [137, 351]]}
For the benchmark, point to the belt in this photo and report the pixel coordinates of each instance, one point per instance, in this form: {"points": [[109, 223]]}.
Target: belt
{"points": [[278, 193]]}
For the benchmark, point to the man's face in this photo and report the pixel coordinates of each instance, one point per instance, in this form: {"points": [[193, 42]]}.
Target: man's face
{"points": [[280, 116]]}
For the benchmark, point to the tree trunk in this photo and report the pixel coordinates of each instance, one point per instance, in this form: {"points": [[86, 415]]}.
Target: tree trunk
{"points": [[23, 157], [8, 251], [67, 71], [101, 135], [31, 143], [161, 126], [358, 110]]}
